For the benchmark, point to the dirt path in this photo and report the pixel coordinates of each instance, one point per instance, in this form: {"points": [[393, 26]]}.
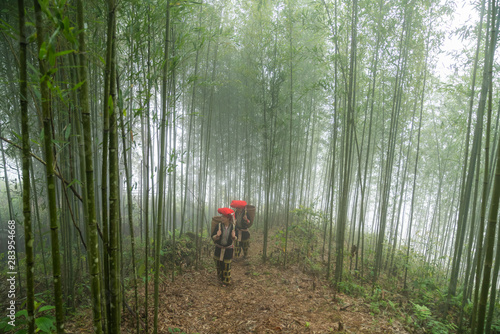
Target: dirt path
{"points": [[262, 299]]}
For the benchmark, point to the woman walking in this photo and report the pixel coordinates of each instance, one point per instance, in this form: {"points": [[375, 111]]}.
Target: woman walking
{"points": [[223, 236]]}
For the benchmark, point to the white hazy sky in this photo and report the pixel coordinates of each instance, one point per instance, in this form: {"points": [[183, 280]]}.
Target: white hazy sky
{"points": [[465, 14]]}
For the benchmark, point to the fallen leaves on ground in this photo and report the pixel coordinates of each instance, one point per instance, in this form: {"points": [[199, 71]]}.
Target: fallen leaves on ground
{"points": [[262, 298]]}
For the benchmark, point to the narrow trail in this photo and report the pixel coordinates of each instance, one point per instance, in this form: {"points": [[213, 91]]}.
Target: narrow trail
{"points": [[262, 298]]}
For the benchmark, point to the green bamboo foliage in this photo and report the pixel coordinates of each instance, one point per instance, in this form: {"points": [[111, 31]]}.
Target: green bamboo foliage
{"points": [[49, 159], [28, 232], [92, 238]]}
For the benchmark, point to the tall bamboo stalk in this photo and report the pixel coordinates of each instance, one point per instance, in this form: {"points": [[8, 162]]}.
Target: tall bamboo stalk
{"points": [[128, 177], [146, 177], [51, 182], [289, 172], [39, 227], [28, 233], [104, 160], [493, 214], [92, 238], [114, 192], [162, 171]]}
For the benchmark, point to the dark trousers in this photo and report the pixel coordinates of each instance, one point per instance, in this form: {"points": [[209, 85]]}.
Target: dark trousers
{"points": [[243, 244], [223, 270]]}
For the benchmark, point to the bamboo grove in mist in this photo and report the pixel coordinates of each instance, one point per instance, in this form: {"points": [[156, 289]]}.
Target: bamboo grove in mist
{"points": [[125, 124]]}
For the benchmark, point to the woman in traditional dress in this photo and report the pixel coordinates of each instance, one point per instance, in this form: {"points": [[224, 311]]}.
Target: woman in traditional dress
{"points": [[223, 236], [242, 224]]}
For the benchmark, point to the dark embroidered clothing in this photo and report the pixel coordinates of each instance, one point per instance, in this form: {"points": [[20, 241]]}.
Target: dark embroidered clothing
{"points": [[223, 271], [242, 234], [225, 242], [242, 228], [223, 252]]}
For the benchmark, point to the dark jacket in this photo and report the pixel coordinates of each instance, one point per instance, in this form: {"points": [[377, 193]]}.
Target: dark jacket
{"points": [[228, 246], [242, 224]]}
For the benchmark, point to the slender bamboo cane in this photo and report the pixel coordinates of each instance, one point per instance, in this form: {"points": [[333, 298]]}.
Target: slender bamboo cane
{"points": [[114, 199], [128, 177], [92, 237], [495, 196], [161, 175], [51, 184], [28, 233]]}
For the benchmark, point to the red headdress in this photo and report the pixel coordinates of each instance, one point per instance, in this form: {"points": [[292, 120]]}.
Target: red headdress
{"points": [[238, 204], [226, 212]]}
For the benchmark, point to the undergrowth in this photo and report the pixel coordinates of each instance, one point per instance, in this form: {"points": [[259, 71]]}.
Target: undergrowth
{"points": [[421, 305]]}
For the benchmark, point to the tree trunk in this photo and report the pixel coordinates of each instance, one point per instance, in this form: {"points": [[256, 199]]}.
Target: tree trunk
{"points": [[128, 177], [493, 214], [104, 167], [51, 182], [92, 238], [162, 171], [114, 195], [28, 232]]}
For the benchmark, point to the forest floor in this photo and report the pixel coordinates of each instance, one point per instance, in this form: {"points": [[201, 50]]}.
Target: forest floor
{"points": [[263, 298]]}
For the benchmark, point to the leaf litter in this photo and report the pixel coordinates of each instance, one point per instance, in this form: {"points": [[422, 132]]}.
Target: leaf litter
{"points": [[263, 298]]}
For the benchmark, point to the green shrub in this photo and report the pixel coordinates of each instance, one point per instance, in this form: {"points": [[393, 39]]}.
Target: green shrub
{"points": [[422, 312], [351, 289], [44, 322], [184, 251]]}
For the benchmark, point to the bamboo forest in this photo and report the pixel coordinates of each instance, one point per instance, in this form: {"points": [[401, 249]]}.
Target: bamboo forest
{"points": [[249, 166]]}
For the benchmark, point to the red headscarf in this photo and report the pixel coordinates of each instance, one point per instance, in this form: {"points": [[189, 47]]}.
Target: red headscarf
{"points": [[238, 204], [226, 212]]}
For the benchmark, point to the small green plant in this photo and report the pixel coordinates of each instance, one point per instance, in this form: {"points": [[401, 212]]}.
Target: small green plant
{"points": [[374, 308], [392, 305], [351, 288], [383, 304], [437, 327], [44, 323], [422, 312], [184, 251]]}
